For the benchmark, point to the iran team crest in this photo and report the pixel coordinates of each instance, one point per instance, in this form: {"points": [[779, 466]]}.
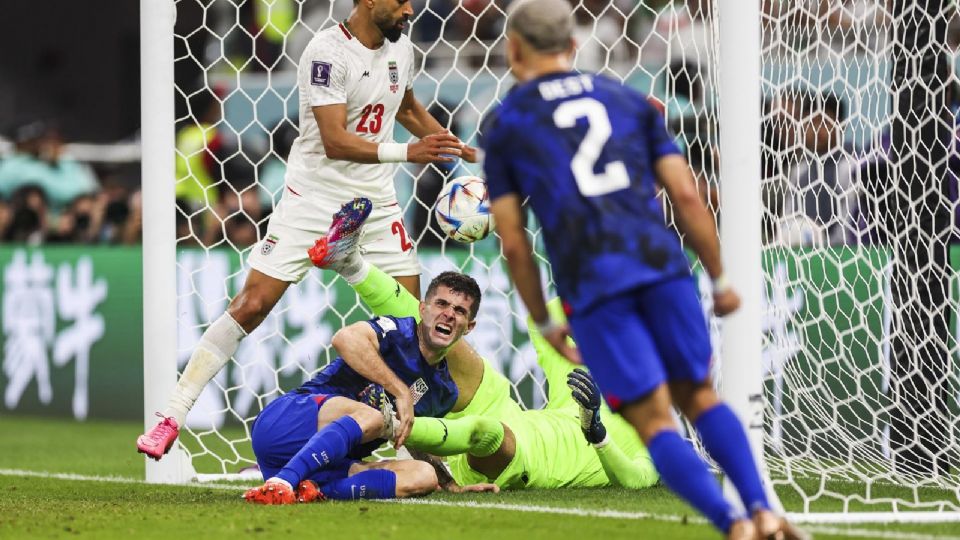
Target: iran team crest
{"points": [[268, 245], [394, 76]]}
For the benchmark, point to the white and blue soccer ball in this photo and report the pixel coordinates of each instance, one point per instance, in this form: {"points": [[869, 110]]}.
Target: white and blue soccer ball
{"points": [[463, 209]]}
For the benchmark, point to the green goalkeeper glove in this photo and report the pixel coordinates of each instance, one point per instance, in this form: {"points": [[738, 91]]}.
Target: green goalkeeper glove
{"points": [[587, 394]]}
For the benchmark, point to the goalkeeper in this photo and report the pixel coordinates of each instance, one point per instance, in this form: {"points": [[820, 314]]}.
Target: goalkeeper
{"points": [[489, 437]]}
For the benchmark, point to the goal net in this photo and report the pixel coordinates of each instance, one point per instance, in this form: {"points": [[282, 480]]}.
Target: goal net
{"points": [[856, 136]]}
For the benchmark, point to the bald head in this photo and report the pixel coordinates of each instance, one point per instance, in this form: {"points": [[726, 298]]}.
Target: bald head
{"points": [[546, 25]]}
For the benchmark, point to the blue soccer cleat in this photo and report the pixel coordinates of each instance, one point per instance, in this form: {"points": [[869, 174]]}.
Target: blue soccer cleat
{"points": [[343, 237]]}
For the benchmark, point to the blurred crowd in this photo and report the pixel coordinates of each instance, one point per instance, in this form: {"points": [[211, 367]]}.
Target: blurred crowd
{"points": [[47, 196], [812, 173]]}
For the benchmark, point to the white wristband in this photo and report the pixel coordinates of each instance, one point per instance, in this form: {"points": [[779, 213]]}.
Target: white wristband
{"points": [[391, 152], [720, 284], [604, 442]]}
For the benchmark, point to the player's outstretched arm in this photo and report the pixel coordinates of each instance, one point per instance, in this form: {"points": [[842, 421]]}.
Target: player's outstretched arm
{"points": [[446, 480], [697, 224], [418, 121], [621, 470], [359, 348], [525, 273], [340, 144]]}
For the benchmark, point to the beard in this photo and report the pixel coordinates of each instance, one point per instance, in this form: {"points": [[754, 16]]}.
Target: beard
{"points": [[392, 33], [389, 28]]}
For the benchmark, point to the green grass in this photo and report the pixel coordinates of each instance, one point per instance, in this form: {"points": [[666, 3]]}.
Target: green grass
{"points": [[43, 507]]}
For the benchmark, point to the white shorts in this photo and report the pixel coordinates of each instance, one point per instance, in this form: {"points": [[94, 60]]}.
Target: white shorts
{"points": [[297, 223]]}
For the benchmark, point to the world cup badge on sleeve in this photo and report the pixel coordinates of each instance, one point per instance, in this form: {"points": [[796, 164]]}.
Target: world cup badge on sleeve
{"points": [[268, 244], [320, 73]]}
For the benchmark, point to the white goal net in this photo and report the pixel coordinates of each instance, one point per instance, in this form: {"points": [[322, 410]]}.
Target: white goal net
{"points": [[857, 142]]}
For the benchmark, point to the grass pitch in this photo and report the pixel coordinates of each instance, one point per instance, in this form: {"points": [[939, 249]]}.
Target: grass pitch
{"points": [[62, 479]]}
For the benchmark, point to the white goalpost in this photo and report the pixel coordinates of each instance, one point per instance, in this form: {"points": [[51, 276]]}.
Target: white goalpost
{"points": [[740, 234], [159, 238], [819, 133]]}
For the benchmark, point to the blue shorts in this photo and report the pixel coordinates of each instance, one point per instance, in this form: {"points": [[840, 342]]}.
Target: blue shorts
{"points": [[283, 427], [638, 340]]}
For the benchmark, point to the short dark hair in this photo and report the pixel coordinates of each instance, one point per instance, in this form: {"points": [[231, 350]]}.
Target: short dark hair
{"points": [[458, 283]]}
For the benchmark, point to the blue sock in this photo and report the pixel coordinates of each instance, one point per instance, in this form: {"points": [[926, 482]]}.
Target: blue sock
{"points": [[371, 484], [726, 442], [684, 472], [329, 445]]}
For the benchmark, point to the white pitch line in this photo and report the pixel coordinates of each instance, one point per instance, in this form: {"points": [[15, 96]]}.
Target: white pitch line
{"points": [[107, 479], [574, 511], [866, 533], [571, 511]]}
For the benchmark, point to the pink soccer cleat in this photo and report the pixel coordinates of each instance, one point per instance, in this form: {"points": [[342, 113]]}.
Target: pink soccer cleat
{"points": [[157, 442], [342, 238]]}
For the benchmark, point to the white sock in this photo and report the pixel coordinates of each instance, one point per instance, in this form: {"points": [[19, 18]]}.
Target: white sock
{"points": [[218, 343], [355, 269], [281, 481]]}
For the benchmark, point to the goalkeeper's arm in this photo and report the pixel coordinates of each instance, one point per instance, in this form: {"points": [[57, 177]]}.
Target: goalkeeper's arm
{"points": [[621, 470]]}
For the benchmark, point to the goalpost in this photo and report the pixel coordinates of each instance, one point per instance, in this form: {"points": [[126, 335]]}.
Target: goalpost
{"points": [[820, 133]]}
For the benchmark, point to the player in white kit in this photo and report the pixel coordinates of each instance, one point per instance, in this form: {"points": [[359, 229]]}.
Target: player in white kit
{"points": [[354, 80]]}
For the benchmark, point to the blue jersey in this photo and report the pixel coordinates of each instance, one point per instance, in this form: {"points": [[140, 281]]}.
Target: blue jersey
{"points": [[434, 392], [583, 147]]}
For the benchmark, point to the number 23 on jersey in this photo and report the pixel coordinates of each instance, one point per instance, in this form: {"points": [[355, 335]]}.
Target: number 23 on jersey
{"points": [[371, 119]]}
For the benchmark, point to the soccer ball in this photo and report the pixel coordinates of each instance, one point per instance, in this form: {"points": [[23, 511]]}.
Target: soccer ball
{"points": [[463, 209]]}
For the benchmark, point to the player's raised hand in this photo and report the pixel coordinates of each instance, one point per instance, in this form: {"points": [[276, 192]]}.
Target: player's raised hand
{"points": [[440, 147], [404, 404], [587, 394], [725, 301], [469, 154], [557, 336]]}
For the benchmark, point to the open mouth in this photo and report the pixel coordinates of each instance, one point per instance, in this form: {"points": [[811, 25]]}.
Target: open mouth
{"points": [[443, 329]]}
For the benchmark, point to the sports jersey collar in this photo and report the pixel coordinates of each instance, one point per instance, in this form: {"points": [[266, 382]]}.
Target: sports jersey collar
{"points": [[353, 40], [547, 77]]}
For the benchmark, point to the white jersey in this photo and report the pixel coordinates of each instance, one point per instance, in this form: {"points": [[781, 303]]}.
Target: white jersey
{"points": [[337, 68]]}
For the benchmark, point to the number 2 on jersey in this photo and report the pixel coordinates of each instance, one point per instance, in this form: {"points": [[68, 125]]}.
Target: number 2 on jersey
{"points": [[397, 229], [614, 176], [375, 121]]}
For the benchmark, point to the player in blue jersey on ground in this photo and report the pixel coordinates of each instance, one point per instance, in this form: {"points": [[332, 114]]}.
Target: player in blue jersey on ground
{"points": [[590, 154], [309, 441]]}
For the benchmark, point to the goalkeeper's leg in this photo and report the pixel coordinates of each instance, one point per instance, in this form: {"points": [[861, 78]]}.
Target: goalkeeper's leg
{"points": [[474, 435]]}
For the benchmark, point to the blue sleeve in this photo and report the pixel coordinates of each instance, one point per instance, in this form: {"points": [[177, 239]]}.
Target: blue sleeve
{"points": [[496, 168], [390, 330], [655, 129]]}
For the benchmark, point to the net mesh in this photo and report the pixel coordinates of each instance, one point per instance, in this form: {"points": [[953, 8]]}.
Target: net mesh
{"points": [[857, 179]]}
